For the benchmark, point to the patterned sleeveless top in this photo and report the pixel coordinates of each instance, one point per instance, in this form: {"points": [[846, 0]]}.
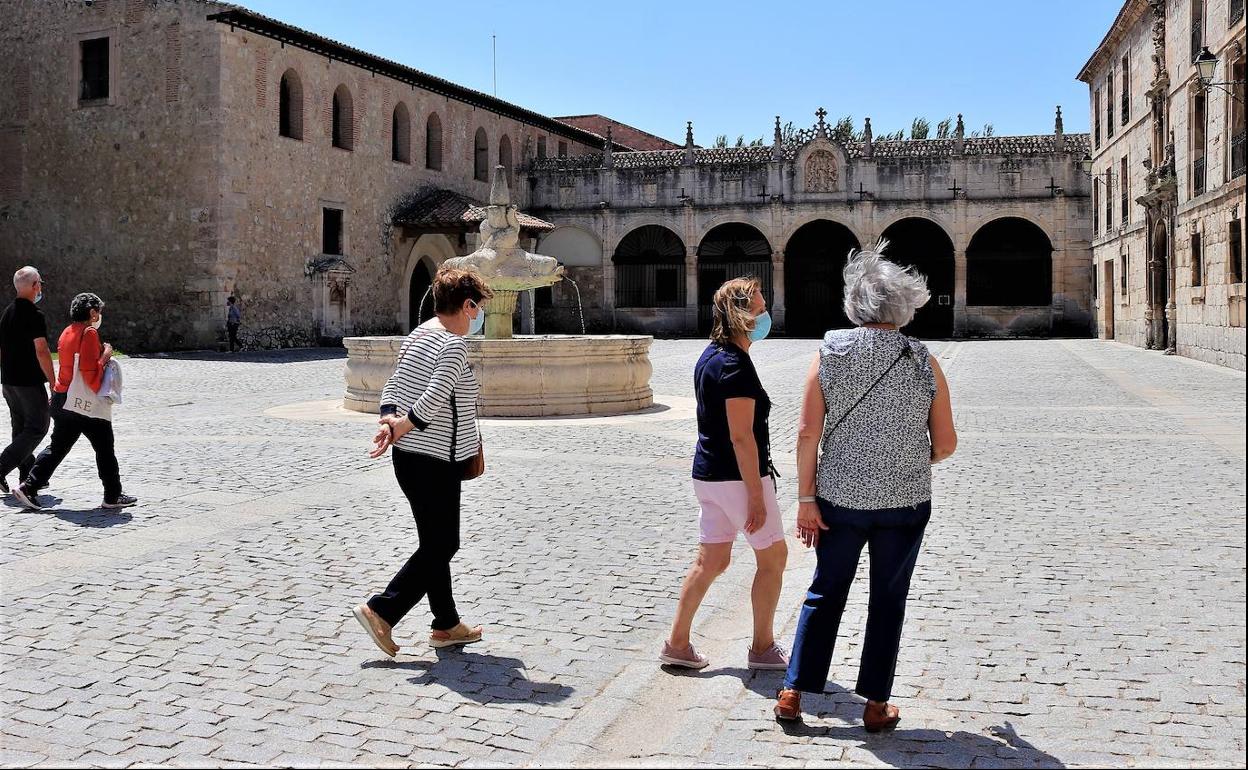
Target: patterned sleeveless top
{"points": [[880, 455]]}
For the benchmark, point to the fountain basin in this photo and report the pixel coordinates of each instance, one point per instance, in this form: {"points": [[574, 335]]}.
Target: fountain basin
{"points": [[526, 376]]}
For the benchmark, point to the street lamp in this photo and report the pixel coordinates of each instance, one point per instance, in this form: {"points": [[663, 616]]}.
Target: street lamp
{"points": [[1206, 64], [1085, 164]]}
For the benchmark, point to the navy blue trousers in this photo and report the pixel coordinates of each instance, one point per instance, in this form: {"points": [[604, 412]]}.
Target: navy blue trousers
{"points": [[893, 537]]}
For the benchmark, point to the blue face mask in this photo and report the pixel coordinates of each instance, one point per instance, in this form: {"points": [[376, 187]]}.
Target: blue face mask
{"points": [[475, 325], [38, 298], [762, 327]]}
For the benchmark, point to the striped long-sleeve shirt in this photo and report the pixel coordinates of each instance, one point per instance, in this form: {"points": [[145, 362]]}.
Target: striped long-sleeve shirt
{"points": [[432, 372]]}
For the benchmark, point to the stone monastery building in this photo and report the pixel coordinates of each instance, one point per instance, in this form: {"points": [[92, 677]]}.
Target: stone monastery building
{"points": [[168, 153]]}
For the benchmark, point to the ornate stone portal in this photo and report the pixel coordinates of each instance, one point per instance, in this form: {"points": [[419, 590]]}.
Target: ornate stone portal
{"points": [[539, 376]]}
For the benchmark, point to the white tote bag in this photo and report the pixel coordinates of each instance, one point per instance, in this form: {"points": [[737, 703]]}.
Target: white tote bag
{"points": [[80, 399]]}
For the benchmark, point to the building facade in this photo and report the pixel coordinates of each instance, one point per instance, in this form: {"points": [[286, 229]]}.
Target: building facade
{"points": [[1000, 226], [169, 153], [1168, 163]]}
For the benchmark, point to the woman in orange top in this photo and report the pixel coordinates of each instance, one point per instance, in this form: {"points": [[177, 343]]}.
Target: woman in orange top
{"points": [[81, 337]]}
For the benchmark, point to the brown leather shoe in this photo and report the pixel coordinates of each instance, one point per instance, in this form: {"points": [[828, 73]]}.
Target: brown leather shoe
{"points": [[880, 716], [788, 706]]}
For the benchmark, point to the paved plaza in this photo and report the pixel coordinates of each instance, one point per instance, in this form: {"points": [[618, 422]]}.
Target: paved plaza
{"points": [[1080, 598]]}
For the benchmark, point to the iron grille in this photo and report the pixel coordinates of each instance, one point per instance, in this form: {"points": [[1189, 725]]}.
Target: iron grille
{"points": [[712, 275], [650, 285], [1237, 146], [1198, 176]]}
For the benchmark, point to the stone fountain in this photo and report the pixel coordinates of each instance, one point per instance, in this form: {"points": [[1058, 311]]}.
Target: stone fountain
{"points": [[526, 376]]}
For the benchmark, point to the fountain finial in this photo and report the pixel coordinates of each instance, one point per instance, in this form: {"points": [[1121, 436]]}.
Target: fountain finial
{"points": [[500, 195]]}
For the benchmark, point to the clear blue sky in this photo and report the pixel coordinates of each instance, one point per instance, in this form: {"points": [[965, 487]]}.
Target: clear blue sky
{"points": [[730, 67]]}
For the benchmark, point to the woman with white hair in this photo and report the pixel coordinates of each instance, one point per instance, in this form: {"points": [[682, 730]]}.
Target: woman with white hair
{"points": [[875, 417]]}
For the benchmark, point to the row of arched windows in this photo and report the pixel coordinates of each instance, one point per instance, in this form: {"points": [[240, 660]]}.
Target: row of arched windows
{"points": [[290, 124]]}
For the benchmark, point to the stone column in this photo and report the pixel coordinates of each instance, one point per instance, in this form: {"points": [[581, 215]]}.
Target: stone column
{"points": [[498, 315], [959, 293], [777, 289], [691, 291]]}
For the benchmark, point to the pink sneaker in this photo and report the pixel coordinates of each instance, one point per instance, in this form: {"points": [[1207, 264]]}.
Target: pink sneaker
{"points": [[686, 658], [774, 658]]}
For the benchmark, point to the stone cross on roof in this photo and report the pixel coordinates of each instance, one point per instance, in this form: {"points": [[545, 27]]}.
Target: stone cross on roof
{"points": [[821, 113]]}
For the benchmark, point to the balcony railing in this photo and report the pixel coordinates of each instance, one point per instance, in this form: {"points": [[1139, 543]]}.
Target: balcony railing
{"points": [[1198, 177], [1238, 147]]}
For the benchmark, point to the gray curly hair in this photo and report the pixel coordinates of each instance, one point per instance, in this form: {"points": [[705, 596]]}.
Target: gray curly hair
{"points": [[880, 291], [81, 305]]}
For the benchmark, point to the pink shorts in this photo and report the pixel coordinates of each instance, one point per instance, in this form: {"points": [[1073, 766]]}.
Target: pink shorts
{"points": [[724, 512]]}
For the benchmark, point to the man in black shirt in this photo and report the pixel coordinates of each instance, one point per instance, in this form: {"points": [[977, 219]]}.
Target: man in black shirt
{"points": [[25, 365]]}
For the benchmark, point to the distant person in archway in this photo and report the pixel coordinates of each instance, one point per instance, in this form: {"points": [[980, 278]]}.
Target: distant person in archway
{"points": [[733, 477], [429, 415], [875, 417]]}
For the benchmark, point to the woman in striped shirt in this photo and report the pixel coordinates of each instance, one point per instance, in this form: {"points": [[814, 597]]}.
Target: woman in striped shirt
{"points": [[429, 415]]}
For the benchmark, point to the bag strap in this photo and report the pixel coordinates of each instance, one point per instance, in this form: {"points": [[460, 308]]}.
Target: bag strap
{"points": [[905, 353]]}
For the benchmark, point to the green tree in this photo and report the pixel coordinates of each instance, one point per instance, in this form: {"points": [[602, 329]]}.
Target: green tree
{"points": [[944, 129], [919, 128], [721, 140]]}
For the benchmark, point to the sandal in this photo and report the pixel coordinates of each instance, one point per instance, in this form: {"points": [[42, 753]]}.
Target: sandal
{"points": [[453, 637]]}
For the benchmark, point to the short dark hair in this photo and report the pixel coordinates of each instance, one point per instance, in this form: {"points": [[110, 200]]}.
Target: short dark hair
{"points": [[452, 287], [230, 300], [81, 305]]}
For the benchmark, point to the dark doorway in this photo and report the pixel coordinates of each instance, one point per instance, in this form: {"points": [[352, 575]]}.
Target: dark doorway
{"points": [[416, 289], [1009, 262], [650, 269], [814, 260], [924, 245], [728, 251]]}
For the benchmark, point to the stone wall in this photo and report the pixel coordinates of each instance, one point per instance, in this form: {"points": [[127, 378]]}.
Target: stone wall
{"points": [[1208, 318], [277, 186], [692, 198], [119, 196]]}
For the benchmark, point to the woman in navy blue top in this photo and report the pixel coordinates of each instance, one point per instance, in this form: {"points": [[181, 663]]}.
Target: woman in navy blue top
{"points": [[733, 476]]}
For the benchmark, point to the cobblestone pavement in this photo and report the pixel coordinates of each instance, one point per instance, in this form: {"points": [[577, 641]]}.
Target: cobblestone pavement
{"points": [[1080, 599]]}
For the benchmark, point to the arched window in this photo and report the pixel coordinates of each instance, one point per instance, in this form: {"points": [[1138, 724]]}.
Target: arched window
{"points": [[401, 134], [433, 142], [481, 157], [290, 106], [650, 268], [732, 250], [1009, 262], [344, 119], [504, 156]]}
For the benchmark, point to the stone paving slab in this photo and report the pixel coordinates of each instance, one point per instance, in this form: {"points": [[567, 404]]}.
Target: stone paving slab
{"points": [[1080, 599]]}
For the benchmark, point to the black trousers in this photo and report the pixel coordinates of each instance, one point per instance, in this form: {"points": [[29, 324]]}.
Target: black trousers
{"points": [[432, 487], [232, 329], [893, 536], [28, 412], [69, 427]]}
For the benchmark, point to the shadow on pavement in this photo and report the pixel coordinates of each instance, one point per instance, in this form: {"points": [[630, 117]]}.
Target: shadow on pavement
{"points": [[482, 678], [97, 518], [282, 356], [1003, 748]]}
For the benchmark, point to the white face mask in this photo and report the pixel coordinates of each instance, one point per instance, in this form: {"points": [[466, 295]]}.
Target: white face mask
{"points": [[96, 323]]}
